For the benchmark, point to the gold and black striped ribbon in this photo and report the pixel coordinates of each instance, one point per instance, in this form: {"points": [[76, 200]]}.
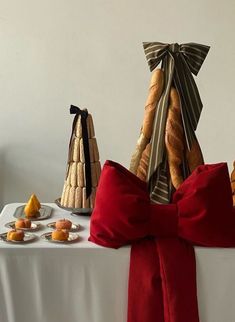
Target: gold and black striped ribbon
{"points": [[179, 62]]}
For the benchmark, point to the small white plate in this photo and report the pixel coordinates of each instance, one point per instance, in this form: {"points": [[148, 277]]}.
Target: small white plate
{"points": [[28, 238], [34, 226], [73, 237], [73, 228]]}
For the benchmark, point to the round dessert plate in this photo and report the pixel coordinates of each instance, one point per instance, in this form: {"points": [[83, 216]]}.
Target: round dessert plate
{"points": [[73, 237], [44, 213], [28, 238], [34, 226], [75, 211], [75, 227]]}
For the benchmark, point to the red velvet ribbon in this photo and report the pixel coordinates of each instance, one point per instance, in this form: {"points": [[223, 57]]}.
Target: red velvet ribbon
{"points": [[162, 279]]}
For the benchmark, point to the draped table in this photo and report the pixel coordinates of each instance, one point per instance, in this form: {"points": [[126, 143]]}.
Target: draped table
{"points": [[83, 282]]}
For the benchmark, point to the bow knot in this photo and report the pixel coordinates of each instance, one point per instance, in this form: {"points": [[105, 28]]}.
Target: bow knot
{"points": [[174, 48], [76, 110]]}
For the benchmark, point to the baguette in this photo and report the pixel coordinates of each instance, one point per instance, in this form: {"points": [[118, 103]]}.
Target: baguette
{"points": [[174, 139], [194, 156], [155, 91], [144, 162]]}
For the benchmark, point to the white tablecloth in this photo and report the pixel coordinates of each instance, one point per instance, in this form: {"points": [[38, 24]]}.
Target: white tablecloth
{"points": [[82, 282]]}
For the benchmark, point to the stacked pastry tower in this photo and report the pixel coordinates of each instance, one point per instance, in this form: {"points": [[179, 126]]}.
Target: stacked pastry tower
{"points": [[74, 191], [233, 183]]}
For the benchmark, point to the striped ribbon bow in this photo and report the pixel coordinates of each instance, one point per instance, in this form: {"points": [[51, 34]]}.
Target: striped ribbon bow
{"points": [[179, 62]]}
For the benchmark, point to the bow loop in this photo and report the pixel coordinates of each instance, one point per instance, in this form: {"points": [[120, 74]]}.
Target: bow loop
{"points": [[174, 48], [155, 52], [195, 55]]}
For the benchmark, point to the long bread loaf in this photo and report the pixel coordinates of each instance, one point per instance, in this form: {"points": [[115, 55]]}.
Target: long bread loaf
{"points": [[155, 91], [174, 139]]}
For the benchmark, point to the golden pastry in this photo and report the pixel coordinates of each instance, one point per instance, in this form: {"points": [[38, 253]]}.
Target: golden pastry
{"points": [[31, 209], [63, 224], [22, 223], [61, 235], [16, 235]]}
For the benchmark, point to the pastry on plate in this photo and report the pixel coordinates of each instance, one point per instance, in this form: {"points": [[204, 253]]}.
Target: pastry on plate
{"points": [[60, 234], [32, 207], [16, 235], [63, 224], [23, 223]]}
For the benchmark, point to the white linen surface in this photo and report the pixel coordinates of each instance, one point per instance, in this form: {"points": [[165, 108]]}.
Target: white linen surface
{"points": [[82, 282]]}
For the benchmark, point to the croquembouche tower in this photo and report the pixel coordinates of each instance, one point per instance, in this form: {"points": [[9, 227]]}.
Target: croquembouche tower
{"points": [[83, 167]]}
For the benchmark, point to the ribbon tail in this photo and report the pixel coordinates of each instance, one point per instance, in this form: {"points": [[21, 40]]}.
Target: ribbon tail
{"points": [[178, 280], [191, 104], [158, 142], [145, 302], [86, 155]]}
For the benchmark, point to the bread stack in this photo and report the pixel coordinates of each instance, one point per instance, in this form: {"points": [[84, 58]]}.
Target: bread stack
{"points": [[74, 191], [175, 142], [233, 183]]}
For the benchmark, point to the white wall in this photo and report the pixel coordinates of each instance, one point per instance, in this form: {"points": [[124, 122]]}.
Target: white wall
{"points": [[54, 53]]}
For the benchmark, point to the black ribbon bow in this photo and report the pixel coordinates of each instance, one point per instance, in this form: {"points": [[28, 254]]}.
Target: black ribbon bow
{"points": [[179, 62], [83, 113]]}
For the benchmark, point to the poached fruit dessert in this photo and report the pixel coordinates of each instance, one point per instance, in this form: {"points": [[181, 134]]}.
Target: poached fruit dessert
{"points": [[32, 207]]}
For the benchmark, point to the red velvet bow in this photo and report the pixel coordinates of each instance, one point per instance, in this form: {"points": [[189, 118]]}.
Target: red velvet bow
{"points": [[163, 287]]}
